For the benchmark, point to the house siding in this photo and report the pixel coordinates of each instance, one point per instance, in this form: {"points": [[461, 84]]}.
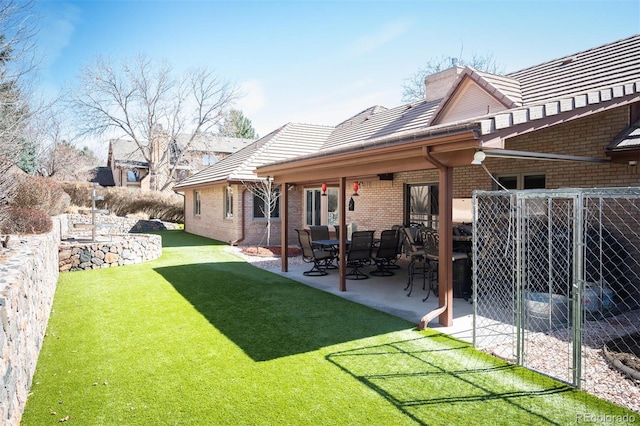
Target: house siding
{"points": [[211, 223], [585, 137], [380, 203]]}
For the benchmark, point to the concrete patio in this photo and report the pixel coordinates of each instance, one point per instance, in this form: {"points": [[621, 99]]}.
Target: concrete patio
{"points": [[387, 294]]}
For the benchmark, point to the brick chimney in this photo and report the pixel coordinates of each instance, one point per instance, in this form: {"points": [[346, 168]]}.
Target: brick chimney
{"points": [[437, 85]]}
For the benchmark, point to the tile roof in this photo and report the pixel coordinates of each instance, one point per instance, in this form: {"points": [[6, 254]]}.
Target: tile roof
{"points": [[573, 84], [566, 84], [207, 142], [289, 141], [126, 152], [610, 65]]}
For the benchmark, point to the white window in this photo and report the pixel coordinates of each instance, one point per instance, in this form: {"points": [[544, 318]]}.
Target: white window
{"points": [[209, 159], [319, 209], [228, 202], [133, 175], [196, 203]]}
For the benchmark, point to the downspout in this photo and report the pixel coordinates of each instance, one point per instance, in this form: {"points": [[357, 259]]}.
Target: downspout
{"points": [[444, 271], [239, 240]]}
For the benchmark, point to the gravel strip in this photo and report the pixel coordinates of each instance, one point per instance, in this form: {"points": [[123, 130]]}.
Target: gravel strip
{"points": [[263, 262], [551, 354]]}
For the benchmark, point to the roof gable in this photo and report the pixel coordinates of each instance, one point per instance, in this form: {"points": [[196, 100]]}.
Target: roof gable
{"points": [[474, 94], [468, 101]]}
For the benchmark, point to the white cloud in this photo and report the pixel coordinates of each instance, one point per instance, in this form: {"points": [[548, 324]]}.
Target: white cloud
{"points": [[254, 98], [58, 27], [384, 35]]}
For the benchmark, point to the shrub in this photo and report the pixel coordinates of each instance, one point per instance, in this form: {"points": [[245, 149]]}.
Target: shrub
{"points": [[80, 192], [40, 193], [154, 204], [127, 201], [26, 221]]}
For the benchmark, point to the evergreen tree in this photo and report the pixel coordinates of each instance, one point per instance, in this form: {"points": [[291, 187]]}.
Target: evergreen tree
{"points": [[28, 160], [236, 125]]}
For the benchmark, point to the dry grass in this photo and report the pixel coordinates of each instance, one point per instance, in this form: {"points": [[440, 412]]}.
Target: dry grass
{"points": [[126, 202]]}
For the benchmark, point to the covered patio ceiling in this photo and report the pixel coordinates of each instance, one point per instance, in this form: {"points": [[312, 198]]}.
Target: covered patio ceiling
{"points": [[406, 140], [443, 151]]}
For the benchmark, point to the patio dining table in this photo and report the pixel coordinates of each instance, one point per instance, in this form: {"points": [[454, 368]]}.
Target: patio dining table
{"points": [[327, 244]]}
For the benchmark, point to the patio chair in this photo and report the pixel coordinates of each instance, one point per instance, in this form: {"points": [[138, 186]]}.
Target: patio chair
{"points": [[321, 232], [400, 238], [431, 242], [386, 253], [359, 254], [417, 255], [319, 258]]}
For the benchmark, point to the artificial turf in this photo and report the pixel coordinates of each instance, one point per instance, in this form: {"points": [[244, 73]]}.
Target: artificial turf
{"points": [[200, 337]]}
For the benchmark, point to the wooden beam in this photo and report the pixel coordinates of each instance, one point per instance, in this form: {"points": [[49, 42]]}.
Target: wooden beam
{"points": [[342, 246], [284, 224], [445, 254]]}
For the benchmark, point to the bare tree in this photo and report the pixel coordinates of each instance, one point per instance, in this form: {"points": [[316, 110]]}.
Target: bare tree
{"points": [[269, 194], [17, 63], [413, 87], [142, 100]]}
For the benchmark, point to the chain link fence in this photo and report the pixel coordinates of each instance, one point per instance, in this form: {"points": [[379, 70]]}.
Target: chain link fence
{"points": [[557, 282]]}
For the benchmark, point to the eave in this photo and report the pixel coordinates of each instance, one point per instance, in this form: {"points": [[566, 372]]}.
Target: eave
{"points": [[453, 147]]}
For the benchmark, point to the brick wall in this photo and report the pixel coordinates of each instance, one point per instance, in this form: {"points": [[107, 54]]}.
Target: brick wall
{"points": [[212, 224], [586, 137], [380, 203]]}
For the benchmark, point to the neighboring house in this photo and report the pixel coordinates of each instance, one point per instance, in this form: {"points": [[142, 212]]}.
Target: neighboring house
{"points": [[130, 168], [569, 122], [218, 202]]}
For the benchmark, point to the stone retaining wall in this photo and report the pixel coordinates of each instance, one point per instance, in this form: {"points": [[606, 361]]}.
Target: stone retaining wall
{"points": [[108, 224], [28, 278], [29, 270], [76, 255]]}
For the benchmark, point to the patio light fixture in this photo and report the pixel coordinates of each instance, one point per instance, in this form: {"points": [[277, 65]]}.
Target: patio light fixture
{"points": [[324, 189], [478, 158]]}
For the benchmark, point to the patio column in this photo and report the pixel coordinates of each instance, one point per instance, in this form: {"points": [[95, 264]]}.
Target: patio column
{"points": [[445, 253], [342, 247], [284, 227]]}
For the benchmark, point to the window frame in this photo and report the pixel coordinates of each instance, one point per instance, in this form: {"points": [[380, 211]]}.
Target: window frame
{"points": [[259, 213], [520, 180], [228, 202], [431, 217], [197, 202], [318, 213]]}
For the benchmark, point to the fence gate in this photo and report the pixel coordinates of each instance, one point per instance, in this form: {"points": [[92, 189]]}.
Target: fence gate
{"points": [[557, 277]]}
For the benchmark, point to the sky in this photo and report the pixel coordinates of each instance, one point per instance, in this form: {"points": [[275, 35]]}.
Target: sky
{"points": [[320, 62]]}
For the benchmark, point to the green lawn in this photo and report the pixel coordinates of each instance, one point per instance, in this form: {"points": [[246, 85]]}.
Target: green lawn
{"points": [[201, 337]]}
